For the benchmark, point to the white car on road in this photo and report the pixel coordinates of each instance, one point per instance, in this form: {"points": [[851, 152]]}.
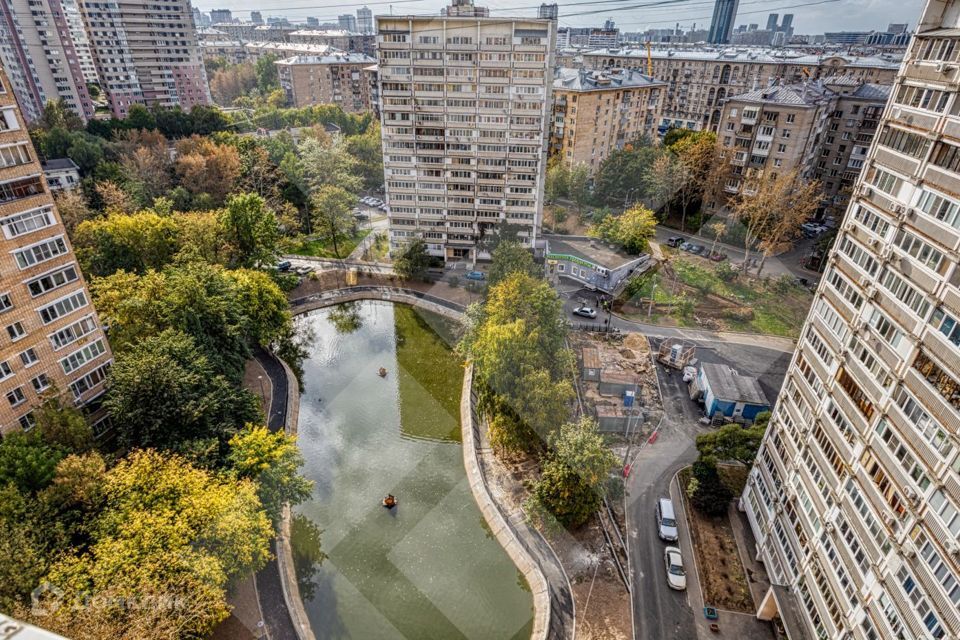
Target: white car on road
{"points": [[676, 576]]}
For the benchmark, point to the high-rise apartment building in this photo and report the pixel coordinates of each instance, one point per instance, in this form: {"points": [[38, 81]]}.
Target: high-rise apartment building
{"points": [[465, 102], [338, 78], [365, 20], [721, 26], [81, 44], [51, 341], [854, 498], [348, 22], [146, 53], [38, 52], [218, 16], [256, 17]]}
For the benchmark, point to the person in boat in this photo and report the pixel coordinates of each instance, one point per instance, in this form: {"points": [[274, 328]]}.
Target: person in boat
{"points": [[383, 372], [390, 501]]}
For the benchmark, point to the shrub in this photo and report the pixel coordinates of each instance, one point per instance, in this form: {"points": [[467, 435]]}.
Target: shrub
{"points": [[454, 281], [707, 492]]}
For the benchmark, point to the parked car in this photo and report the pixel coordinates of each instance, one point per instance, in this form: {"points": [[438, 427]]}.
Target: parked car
{"points": [[666, 520], [304, 270], [812, 229], [689, 373], [673, 562], [717, 256], [697, 249], [675, 241], [685, 246], [585, 311], [475, 275], [283, 265]]}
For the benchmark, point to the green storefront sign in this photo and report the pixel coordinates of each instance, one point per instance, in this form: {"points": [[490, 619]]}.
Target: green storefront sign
{"points": [[573, 259]]}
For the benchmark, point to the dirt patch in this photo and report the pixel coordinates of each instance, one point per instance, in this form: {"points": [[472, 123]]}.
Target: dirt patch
{"points": [[722, 576]]}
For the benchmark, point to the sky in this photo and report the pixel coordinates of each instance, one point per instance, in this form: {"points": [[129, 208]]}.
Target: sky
{"points": [[830, 15]]}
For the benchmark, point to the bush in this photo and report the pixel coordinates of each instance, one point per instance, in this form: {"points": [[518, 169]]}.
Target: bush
{"points": [[454, 281], [726, 272]]}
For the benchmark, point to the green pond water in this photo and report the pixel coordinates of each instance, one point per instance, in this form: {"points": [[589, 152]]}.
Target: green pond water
{"points": [[430, 568]]}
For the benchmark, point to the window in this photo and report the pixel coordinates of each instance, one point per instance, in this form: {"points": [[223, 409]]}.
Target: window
{"points": [[886, 182], [846, 290], [906, 142], [902, 453], [52, 280], [5, 370], [906, 293], [27, 421], [23, 223], [40, 383], [939, 207], [947, 156], [929, 429], [72, 333], [859, 397], [16, 397], [62, 307], [885, 327], [5, 303], [920, 250], [922, 98], [941, 380], [872, 221], [16, 331], [28, 357], [860, 256], [90, 381], [40, 252], [13, 155]]}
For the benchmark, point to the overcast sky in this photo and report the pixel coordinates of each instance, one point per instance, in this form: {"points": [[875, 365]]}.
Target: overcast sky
{"points": [[839, 15]]}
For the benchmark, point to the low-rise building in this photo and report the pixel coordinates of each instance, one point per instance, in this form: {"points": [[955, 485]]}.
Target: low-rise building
{"points": [[257, 50], [62, 174], [597, 112], [591, 262], [729, 395], [338, 79], [352, 41]]}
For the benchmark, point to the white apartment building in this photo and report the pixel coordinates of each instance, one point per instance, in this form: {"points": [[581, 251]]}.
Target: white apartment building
{"points": [[146, 53], [854, 498], [78, 33], [466, 101], [37, 50]]}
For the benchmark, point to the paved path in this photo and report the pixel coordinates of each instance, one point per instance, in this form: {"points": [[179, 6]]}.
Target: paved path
{"points": [[275, 614]]}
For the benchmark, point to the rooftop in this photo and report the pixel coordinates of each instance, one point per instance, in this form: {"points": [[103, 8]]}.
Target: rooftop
{"points": [[293, 47], [726, 384], [59, 164], [333, 58], [327, 33], [569, 79], [589, 249], [808, 94], [762, 55]]}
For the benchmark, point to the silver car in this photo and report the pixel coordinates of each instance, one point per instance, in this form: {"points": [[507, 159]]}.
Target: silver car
{"points": [[673, 562]]}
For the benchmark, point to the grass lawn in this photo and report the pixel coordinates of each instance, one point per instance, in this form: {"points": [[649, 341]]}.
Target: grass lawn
{"points": [[696, 292], [323, 248]]}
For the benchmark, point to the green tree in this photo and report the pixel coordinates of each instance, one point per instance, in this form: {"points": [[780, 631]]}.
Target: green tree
{"points": [[413, 260], [574, 477], [56, 114], [139, 117], [332, 215], [62, 425], [663, 181], [367, 151], [164, 393], [731, 442], [578, 185], [632, 229], [133, 243], [508, 258], [324, 162], [273, 461], [267, 77], [251, 231], [697, 155], [170, 535], [557, 184], [706, 489], [27, 461]]}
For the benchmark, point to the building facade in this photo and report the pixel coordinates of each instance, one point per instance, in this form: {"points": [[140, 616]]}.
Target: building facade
{"points": [[52, 341], [597, 112], [348, 22], [822, 129], [146, 53], [338, 79], [854, 498], [700, 79], [365, 20], [37, 50], [465, 101]]}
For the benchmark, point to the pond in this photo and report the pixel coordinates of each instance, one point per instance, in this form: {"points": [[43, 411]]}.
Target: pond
{"points": [[430, 568]]}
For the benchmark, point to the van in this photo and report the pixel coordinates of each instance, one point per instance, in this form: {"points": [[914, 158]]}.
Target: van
{"points": [[666, 521]]}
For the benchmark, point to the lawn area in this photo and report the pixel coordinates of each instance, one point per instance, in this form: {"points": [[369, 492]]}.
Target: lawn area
{"points": [[696, 292], [323, 248]]}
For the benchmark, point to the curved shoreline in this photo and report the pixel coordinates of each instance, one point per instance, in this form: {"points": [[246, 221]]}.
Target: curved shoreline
{"points": [[502, 528]]}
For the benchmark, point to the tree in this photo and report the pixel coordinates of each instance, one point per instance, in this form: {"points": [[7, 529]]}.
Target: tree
{"points": [[171, 538], [662, 182], [165, 392], [267, 77], [27, 462], [232, 81], [148, 170], [324, 162], [731, 442], [251, 231], [205, 167], [413, 260], [772, 207], [697, 154], [273, 461], [573, 480], [620, 176], [508, 258], [706, 489], [578, 185], [131, 243], [114, 198], [716, 229], [632, 229], [63, 425], [366, 150], [56, 114], [332, 215], [72, 207], [85, 151], [557, 183]]}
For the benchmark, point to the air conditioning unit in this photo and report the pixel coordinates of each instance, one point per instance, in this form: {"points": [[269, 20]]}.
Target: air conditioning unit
{"points": [[829, 526], [872, 242], [870, 292], [888, 519], [953, 548], [886, 253], [865, 281], [909, 553], [911, 494], [857, 325], [866, 191], [899, 208]]}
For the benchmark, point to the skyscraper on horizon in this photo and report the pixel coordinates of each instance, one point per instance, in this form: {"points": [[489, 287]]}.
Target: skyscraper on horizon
{"points": [[348, 22], [772, 21], [854, 497], [465, 130], [721, 26], [365, 20], [256, 17]]}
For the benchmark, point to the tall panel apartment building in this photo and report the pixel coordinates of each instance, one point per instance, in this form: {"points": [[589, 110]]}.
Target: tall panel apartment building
{"points": [[37, 50], [466, 102], [146, 53], [854, 498], [51, 340]]}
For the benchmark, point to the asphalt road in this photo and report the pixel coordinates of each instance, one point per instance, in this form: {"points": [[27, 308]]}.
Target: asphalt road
{"points": [[661, 613]]}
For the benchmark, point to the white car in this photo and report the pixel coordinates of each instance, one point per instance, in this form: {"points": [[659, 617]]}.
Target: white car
{"points": [[676, 577], [689, 373], [585, 311]]}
